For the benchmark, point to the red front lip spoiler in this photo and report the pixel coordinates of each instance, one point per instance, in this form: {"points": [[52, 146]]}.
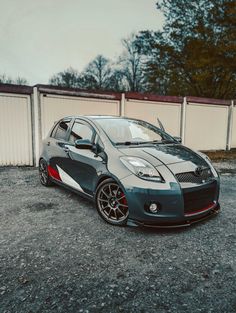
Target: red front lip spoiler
{"points": [[209, 207], [186, 223]]}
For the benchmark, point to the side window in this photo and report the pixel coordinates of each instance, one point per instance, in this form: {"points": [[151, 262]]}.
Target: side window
{"points": [[80, 131], [60, 131]]}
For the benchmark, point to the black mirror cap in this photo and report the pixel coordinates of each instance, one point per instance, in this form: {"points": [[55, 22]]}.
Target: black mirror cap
{"points": [[178, 139], [83, 144]]}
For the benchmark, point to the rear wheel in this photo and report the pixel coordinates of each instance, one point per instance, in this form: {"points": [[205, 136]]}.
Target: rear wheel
{"points": [[111, 203], [43, 173]]}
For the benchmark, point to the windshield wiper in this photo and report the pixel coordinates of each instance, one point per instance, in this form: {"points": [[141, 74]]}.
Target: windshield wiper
{"points": [[168, 141], [135, 143], [153, 141], [128, 143], [163, 141]]}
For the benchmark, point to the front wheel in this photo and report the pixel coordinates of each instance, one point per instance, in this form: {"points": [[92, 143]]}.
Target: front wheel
{"points": [[111, 203]]}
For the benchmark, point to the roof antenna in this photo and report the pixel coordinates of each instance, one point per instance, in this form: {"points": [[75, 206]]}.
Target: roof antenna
{"points": [[160, 124]]}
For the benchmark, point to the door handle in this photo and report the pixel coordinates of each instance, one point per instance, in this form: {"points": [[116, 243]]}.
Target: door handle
{"points": [[48, 143]]}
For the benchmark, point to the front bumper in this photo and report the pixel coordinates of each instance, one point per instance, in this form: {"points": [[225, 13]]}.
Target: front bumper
{"points": [[172, 201], [180, 224]]}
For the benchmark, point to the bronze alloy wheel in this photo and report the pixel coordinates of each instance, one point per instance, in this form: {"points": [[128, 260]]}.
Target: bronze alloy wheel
{"points": [[111, 203]]}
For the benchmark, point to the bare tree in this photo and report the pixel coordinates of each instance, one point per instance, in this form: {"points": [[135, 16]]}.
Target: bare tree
{"points": [[131, 62], [8, 80], [99, 73], [21, 81], [68, 78]]}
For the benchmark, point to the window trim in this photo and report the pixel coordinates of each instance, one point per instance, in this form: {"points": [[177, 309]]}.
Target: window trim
{"points": [[53, 128]]}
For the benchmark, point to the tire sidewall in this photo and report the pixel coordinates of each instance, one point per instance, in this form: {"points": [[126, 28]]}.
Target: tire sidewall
{"points": [[106, 181], [49, 181]]}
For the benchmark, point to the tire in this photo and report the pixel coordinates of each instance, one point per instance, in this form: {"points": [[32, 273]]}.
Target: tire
{"points": [[43, 174], [111, 203]]}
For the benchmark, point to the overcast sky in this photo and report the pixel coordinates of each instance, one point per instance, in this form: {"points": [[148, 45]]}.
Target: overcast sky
{"points": [[39, 38]]}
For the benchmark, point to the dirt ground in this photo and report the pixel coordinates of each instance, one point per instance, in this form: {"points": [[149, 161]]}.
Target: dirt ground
{"points": [[222, 155], [57, 255]]}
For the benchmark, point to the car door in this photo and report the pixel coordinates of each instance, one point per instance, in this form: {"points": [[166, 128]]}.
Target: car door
{"points": [[56, 143], [83, 166]]}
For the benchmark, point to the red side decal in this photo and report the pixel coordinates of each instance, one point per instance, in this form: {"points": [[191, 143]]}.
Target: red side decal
{"points": [[53, 173]]}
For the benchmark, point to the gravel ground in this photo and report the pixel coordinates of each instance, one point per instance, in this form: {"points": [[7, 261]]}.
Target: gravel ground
{"points": [[57, 255]]}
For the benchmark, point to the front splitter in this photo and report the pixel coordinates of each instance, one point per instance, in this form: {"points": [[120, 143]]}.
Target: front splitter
{"points": [[186, 223]]}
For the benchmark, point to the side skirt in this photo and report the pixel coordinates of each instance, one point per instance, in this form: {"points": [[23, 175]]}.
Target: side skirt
{"points": [[83, 194]]}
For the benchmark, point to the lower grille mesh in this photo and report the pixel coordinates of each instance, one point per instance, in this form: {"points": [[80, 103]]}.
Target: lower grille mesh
{"points": [[199, 199]]}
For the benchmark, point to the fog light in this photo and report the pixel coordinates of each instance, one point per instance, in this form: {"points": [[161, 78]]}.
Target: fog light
{"points": [[153, 208]]}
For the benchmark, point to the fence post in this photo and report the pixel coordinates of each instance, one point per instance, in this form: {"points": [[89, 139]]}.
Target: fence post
{"points": [[230, 126], [36, 128], [122, 105], [183, 119]]}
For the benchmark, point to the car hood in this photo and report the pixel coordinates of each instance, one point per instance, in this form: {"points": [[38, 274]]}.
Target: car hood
{"points": [[165, 154]]}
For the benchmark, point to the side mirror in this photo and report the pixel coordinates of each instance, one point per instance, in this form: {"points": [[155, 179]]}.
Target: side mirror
{"points": [[83, 144], [178, 139]]}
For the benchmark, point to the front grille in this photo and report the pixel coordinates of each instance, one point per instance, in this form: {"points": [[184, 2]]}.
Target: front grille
{"points": [[191, 177], [196, 199]]}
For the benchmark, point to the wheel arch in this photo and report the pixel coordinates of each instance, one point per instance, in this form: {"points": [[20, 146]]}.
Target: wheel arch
{"points": [[107, 176], [101, 179]]}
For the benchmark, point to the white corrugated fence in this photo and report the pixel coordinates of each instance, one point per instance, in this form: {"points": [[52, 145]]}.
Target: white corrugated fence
{"points": [[27, 114]]}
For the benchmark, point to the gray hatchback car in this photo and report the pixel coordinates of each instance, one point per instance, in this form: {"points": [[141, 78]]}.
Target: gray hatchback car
{"points": [[135, 172]]}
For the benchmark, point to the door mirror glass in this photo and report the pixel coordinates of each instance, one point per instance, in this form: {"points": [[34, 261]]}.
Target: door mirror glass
{"points": [[83, 144]]}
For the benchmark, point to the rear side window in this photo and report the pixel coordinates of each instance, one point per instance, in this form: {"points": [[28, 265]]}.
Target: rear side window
{"points": [[81, 131], [60, 131]]}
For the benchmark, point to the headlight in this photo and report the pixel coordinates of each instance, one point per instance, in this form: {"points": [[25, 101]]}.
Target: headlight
{"points": [[142, 168], [204, 156], [208, 160]]}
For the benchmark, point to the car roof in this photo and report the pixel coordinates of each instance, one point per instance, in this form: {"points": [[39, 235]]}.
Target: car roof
{"points": [[102, 116], [95, 117]]}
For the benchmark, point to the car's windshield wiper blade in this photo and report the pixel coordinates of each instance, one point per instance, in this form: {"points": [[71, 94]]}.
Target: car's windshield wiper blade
{"points": [[135, 143], [168, 141], [128, 143], [163, 141], [153, 141]]}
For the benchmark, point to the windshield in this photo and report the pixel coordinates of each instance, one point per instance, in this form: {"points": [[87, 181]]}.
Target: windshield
{"points": [[129, 131]]}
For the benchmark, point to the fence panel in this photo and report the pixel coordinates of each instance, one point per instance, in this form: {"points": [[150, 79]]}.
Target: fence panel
{"points": [[54, 107], [15, 130], [206, 121], [206, 126], [168, 113], [233, 143]]}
